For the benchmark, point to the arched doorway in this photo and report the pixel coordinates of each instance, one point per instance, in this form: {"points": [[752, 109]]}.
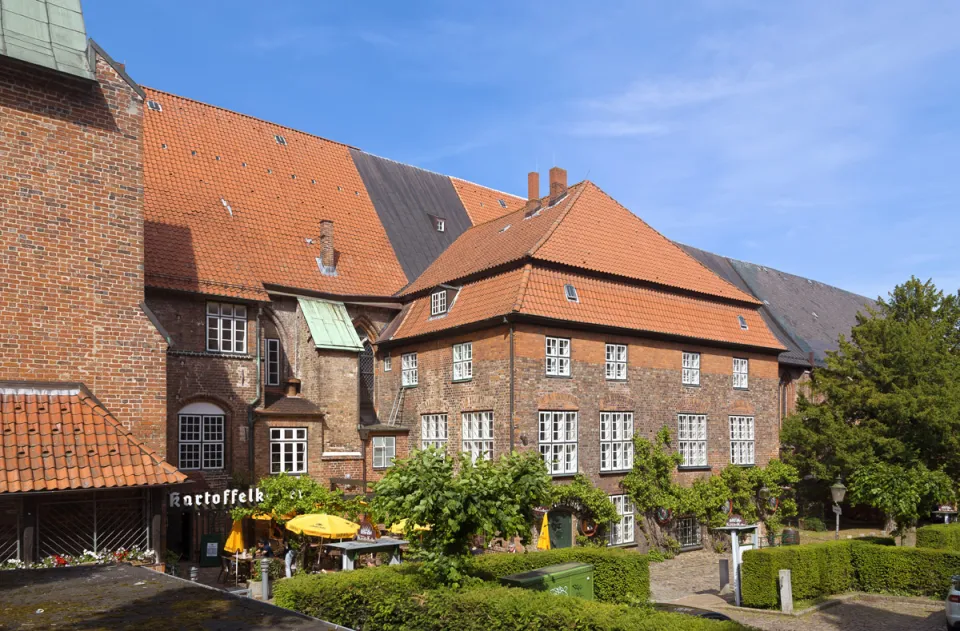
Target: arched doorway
{"points": [[368, 415]]}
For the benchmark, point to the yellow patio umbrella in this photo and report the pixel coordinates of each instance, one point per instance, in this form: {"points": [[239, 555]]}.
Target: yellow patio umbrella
{"points": [[235, 540], [400, 526], [327, 526], [543, 541]]}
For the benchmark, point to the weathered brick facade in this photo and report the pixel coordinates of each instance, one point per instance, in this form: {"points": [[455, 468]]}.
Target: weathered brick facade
{"points": [[71, 242]]}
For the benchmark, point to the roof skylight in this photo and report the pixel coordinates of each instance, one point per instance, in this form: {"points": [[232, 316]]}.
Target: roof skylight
{"points": [[571, 293], [280, 140], [743, 322], [505, 228], [503, 204], [153, 105]]}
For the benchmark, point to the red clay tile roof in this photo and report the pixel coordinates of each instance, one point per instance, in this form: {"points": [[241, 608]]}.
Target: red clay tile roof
{"points": [[237, 213], [57, 437], [483, 204], [539, 292], [586, 229]]}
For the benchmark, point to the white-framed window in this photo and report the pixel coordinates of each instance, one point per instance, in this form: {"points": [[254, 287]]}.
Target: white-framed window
{"points": [[688, 532], [558, 442], [623, 530], [616, 441], [438, 302], [741, 440], [384, 451], [478, 435], [463, 361], [441, 224], [741, 373], [433, 431], [558, 356], [692, 439], [226, 328], [201, 441], [617, 362], [273, 361], [408, 370], [387, 363], [288, 450], [691, 369]]}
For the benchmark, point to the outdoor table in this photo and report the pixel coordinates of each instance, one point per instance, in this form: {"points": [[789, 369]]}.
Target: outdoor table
{"points": [[236, 560], [351, 549]]}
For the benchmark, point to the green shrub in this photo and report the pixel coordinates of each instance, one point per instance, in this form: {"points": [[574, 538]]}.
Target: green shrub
{"points": [[941, 536], [815, 570], [278, 569], [905, 571], [394, 598], [815, 524], [620, 576]]}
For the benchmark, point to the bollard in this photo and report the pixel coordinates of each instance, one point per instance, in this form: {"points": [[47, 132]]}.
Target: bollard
{"points": [[265, 578], [194, 573], [786, 592], [724, 573]]}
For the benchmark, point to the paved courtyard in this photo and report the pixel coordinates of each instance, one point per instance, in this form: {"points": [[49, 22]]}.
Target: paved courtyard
{"points": [[694, 579]]}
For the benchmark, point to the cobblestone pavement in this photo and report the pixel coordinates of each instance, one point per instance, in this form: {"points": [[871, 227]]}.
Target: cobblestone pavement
{"points": [[693, 578]]}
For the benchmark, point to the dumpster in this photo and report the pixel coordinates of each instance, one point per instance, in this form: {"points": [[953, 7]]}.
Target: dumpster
{"points": [[566, 579]]}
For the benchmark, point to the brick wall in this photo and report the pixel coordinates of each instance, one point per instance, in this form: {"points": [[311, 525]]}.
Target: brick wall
{"points": [[71, 242]]}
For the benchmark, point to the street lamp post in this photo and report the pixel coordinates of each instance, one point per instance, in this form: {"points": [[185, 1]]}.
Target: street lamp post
{"points": [[837, 490]]}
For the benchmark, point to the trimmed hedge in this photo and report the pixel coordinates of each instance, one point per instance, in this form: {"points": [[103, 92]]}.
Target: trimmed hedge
{"points": [[620, 576], [824, 569], [392, 598], [939, 536]]}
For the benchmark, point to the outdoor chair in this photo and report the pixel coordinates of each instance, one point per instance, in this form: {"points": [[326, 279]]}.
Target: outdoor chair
{"points": [[226, 570]]}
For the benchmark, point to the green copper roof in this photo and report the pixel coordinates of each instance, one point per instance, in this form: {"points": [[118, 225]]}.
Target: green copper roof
{"points": [[48, 33], [330, 325]]}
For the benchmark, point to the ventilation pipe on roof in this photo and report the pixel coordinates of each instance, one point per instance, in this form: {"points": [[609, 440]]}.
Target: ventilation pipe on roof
{"points": [[558, 182], [326, 244]]}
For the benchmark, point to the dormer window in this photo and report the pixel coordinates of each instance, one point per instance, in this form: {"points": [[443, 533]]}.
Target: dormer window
{"points": [[441, 224], [571, 293], [743, 322], [438, 302]]}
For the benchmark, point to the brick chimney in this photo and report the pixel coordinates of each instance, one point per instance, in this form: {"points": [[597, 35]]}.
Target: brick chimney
{"points": [[558, 182], [293, 387], [326, 243], [533, 186]]}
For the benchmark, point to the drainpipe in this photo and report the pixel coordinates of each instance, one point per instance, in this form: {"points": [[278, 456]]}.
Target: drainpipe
{"points": [[511, 387], [253, 404]]}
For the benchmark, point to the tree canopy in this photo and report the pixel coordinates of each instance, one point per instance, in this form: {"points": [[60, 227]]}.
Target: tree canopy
{"points": [[890, 394]]}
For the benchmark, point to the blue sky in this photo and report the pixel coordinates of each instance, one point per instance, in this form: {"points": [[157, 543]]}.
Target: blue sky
{"points": [[819, 138]]}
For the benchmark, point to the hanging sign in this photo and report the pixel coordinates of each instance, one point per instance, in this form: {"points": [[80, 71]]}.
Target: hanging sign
{"points": [[228, 497], [735, 521], [368, 531], [663, 516]]}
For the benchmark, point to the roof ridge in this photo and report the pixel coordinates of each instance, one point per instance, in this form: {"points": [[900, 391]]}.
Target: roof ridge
{"points": [[522, 289], [255, 118], [563, 215]]}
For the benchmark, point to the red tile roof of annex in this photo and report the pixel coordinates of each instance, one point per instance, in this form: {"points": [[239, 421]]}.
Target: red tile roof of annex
{"points": [[586, 229], [57, 437], [485, 204]]}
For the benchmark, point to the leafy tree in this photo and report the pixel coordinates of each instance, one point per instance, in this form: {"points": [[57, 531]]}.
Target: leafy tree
{"points": [[902, 494], [459, 499], [650, 483], [589, 501], [890, 394], [285, 495]]}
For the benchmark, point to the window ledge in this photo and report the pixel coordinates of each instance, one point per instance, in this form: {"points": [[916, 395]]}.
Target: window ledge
{"points": [[563, 475], [185, 353], [615, 471], [697, 468], [632, 544], [691, 385], [616, 380], [559, 376], [741, 389], [683, 549], [462, 380], [745, 466]]}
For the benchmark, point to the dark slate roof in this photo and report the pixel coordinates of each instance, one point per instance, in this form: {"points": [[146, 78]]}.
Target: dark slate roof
{"points": [[806, 315], [408, 200]]}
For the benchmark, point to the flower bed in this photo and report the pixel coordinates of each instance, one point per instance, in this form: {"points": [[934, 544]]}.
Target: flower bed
{"points": [[132, 555]]}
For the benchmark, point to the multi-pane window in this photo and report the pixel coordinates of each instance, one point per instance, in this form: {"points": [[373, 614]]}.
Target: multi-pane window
{"points": [[438, 302], [616, 441], [688, 532], [384, 451], [558, 441], [558, 356], [387, 363], [288, 450], [201, 441], [226, 328], [692, 438], [741, 440], [622, 531], [463, 361], [691, 369], [478, 435], [273, 362], [433, 431], [617, 361], [741, 372], [408, 366]]}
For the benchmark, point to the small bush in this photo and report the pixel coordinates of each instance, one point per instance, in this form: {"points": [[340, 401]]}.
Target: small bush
{"points": [[278, 569], [815, 524], [394, 598], [905, 571], [816, 570], [939, 536], [620, 576]]}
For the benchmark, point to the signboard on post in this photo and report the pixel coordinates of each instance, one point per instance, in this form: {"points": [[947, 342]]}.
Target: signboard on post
{"points": [[368, 531], [836, 509]]}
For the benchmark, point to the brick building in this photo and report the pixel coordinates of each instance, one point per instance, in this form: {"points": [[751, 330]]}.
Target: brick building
{"points": [[82, 369], [569, 326]]}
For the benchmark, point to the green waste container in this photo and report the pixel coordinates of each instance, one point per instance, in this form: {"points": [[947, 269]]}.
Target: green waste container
{"points": [[566, 579]]}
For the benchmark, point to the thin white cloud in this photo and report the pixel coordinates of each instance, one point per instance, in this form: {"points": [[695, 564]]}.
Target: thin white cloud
{"points": [[614, 129]]}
